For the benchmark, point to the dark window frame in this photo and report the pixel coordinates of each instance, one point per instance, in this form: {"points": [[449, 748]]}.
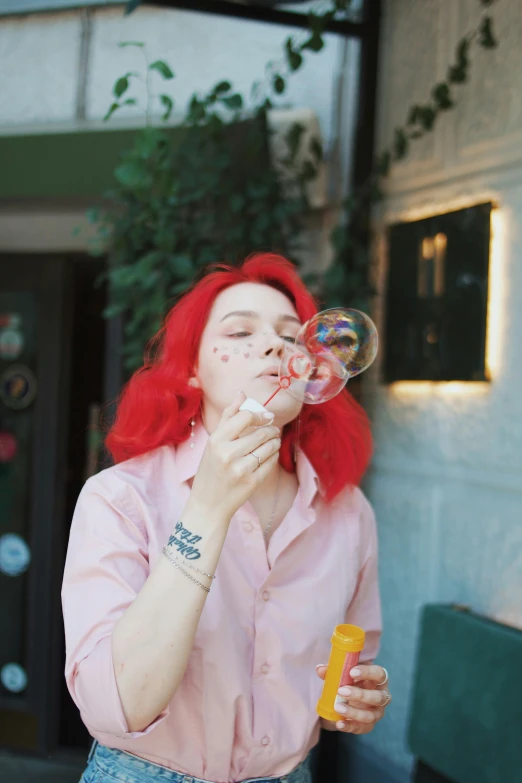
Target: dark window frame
{"points": [[437, 299]]}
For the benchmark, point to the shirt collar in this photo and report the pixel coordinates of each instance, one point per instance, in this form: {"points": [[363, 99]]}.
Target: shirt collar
{"points": [[190, 452]]}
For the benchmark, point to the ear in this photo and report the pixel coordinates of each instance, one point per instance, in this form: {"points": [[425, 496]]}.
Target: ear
{"points": [[194, 382]]}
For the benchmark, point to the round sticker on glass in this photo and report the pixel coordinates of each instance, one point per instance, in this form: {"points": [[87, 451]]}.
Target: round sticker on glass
{"points": [[15, 555], [11, 344], [13, 677], [17, 387], [8, 447]]}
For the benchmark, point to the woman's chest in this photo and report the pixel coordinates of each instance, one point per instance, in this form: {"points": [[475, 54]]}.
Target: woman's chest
{"points": [[294, 596]]}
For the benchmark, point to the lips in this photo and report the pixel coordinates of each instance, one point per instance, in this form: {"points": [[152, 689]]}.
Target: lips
{"points": [[270, 371]]}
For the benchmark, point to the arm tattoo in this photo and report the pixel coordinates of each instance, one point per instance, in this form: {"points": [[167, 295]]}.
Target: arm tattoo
{"points": [[184, 541]]}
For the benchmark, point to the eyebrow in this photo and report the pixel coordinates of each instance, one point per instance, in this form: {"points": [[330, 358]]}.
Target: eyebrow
{"points": [[252, 314]]}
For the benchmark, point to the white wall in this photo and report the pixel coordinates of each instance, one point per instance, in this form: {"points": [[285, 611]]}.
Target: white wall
{"points": [[40, 55], [447, 476], [52, 64]]}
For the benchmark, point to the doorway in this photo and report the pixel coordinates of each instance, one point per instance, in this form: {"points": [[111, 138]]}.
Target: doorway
{"points": [[52, 370]]}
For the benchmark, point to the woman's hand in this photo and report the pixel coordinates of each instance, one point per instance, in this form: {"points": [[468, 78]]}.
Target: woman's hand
{"points": [[362, 704], [236, 460]]}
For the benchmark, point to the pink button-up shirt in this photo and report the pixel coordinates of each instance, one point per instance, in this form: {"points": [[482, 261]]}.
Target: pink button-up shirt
{"points": [[246, 705]]}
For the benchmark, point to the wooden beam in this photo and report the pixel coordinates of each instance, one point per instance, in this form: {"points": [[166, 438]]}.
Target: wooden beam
{"points": [[260, 13]]}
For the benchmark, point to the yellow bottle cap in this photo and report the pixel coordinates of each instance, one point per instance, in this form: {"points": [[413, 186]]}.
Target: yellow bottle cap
{"points": [[349, 638]]}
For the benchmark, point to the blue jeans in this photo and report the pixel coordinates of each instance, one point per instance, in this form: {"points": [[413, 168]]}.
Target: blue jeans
{"points": [[108, 765]]}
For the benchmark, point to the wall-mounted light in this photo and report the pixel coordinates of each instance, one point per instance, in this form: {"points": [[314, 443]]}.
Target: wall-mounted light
{"points": [[437, 297]]}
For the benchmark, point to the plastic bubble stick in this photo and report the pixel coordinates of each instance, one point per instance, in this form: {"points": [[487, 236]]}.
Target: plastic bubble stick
{"points": [[347, 644]]}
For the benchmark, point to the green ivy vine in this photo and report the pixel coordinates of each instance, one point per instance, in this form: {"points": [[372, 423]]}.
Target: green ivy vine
{"points": [[348, 278], [206, 189]]}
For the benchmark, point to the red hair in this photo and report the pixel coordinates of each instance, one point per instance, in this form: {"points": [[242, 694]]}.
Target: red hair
{"points": [[157, 404]]}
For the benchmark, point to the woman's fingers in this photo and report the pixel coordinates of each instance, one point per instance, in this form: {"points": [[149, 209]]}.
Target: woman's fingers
{"points": [[228, 472], [241, 432], [374, 698], [362, 707], [234, 421], [269, 464], [232, 427], [369, 672], [256, 441], [258, 456], [321, 670], [352, 713]]}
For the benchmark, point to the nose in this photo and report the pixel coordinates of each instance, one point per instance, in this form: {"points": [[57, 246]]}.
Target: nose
{"points": [[274, 345]]}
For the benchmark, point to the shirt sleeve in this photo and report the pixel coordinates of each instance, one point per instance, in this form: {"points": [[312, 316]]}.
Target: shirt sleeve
{"points": [[365, 607], [106, 567]]}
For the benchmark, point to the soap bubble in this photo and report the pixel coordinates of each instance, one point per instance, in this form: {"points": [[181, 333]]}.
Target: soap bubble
{"points": [[311, 378], [348, 335], [330, 348]]}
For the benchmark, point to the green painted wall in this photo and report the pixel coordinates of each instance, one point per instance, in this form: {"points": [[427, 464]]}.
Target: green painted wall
{"points": [[60, 164]]}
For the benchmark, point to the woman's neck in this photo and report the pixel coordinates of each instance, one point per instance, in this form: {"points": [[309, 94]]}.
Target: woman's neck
{"points": [[263, 499]]}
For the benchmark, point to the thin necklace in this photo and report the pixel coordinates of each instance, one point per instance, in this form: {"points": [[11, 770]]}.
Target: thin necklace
{"points": [[276, 498]]}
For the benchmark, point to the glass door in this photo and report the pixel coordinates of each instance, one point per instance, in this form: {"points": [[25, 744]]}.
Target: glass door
{"points": [[34, 319]]}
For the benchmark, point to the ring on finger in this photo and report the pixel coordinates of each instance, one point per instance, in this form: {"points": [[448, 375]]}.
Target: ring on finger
{"points": [[253, 453], [387, 699], [379, 684]]}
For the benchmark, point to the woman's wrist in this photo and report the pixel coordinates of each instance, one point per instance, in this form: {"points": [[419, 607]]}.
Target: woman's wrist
{"points": [[199, 515], [197, 538]]}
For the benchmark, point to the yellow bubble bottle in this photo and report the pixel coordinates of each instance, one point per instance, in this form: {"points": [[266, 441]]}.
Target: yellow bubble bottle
{"points": [[347, 644]]}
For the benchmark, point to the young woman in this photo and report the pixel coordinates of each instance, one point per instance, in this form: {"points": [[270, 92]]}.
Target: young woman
{"points": [[208, 567]]}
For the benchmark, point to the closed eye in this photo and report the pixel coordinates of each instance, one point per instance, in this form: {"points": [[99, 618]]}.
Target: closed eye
{"points": [[288, 338]]}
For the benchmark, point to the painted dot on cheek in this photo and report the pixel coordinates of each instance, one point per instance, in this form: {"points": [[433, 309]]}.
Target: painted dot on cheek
{"points": [[215, 350], [247, 356], [225, 358]]}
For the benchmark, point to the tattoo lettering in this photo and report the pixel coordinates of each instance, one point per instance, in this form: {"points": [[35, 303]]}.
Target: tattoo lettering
{"points": [[183, 540]]}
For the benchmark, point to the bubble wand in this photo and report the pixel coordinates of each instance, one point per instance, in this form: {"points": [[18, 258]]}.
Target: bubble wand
{"points": [[293, 372]]}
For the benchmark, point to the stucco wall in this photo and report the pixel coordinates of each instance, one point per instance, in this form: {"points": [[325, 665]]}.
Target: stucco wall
{"points": [[446, 481]]}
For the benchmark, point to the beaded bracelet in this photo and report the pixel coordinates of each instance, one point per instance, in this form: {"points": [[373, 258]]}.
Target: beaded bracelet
{"points": [[177, 565]]}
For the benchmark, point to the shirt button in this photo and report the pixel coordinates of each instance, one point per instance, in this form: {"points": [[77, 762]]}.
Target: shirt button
{"points": [[265, 668], [247, 526], [265, 741], [266, 595]]}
